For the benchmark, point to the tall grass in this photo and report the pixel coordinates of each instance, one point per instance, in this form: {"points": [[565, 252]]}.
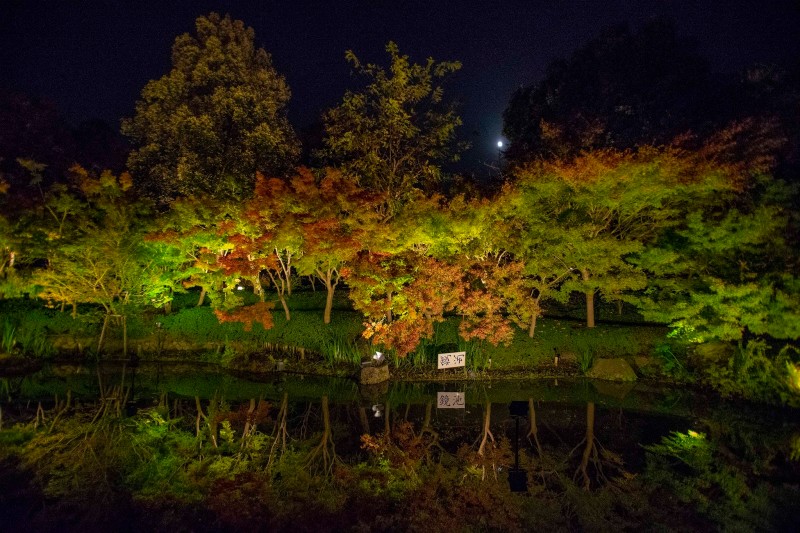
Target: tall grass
{"points": [[585, 359], [9, 339], [341, 351], [478, 359]]}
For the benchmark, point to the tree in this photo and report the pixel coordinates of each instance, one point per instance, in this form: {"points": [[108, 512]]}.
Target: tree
{"points": [[393, 135], [191, 240], [620, 90], [726, 273], [213, 121], [9, 248], [592, 213], [95, 256], [338, 216]]}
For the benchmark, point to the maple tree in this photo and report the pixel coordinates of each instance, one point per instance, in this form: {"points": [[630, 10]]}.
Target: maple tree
{"points": [[8, 248], [599, 209], [95, 252], [437, 265], [268, 237], [338, 216], [191, 240]]}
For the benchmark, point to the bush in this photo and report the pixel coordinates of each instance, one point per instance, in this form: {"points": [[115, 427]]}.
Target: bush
{"points": [[754, 374]]}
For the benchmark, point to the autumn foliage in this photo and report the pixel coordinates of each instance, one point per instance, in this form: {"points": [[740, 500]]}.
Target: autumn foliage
{"points": [[260, 312]]}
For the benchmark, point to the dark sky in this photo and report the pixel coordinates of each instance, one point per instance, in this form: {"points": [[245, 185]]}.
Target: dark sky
{"points": [[93, 57]]}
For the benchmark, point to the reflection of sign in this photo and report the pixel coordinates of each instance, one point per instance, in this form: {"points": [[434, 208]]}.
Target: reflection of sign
{"points": [[452, 360], [450, 400]]}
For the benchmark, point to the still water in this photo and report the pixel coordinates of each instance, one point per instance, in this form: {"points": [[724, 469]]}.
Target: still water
{"points": [[179, 449]]}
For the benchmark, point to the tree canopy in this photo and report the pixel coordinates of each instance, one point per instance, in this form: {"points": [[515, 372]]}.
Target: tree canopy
{"points": [[622, 89], [394, 134], [214, 120]]}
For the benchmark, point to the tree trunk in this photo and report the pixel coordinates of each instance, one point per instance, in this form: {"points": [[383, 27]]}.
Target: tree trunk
{"points": [[534, 429], [285, 306], [202, 296], [102, 334], [328, 302], [258, 289], [532, 327], [280, 288], [590, 309], [589, 301], [389, 310]]}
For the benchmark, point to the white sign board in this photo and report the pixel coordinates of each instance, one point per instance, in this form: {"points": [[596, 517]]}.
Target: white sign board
{"points": [[452, 360], [450, 400]]}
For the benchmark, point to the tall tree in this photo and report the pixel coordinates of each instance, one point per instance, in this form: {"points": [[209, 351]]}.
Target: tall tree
{"points": [[394, 135], [620, 90], [213, 121]]}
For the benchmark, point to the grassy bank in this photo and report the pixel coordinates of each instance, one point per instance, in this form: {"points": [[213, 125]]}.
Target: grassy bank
{"points": [[191, 332]]}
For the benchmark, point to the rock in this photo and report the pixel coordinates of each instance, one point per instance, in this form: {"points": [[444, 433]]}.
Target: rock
{"points": [[568, 358], [643, 362], [647, 366], [371, 375], [612, 370], [711, 353]]}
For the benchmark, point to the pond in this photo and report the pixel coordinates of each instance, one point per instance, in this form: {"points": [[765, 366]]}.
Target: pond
{"points": [[195, 449]]}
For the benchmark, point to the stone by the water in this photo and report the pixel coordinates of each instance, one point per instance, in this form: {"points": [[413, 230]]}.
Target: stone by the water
{"points": [[612, 370], [371, 375]]}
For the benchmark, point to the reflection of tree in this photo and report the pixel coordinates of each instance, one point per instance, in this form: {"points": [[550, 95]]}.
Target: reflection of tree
{"points": [[402, 446], [324, 454], [492, 456], [594, 452], [280, 432], [487, 431], [533, 432]]}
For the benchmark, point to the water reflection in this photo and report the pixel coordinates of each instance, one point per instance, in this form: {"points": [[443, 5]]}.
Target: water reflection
{"points": [[128, 450]]}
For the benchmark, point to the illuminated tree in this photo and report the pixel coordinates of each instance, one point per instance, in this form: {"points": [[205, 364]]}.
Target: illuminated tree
{"points": [[393, 135], [213, 121], [438, 261], [189, 241], [726, 273], [96, 257], [338, 216], [593, 213]]}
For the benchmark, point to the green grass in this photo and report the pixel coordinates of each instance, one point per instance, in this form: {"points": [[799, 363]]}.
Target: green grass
{"points": [[339, 342]]}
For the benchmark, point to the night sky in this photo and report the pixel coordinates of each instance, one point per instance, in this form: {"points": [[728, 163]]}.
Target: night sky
{"points": [[92, 58]]}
